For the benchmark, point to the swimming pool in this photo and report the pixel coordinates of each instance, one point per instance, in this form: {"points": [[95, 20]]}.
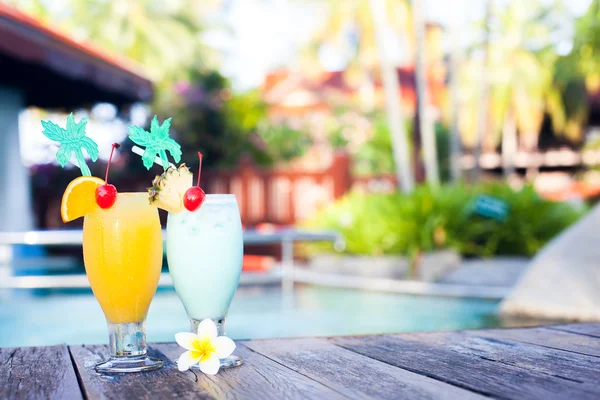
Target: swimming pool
{"points": [[260, 312]]}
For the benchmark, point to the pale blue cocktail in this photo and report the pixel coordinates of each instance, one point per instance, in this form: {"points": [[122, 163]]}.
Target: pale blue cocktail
{"points": [[204, 252]]}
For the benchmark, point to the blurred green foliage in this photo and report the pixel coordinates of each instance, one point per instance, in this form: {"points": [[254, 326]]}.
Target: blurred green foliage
{"points": [[283, 143], [577, 74], [376, 156], [209, 117], [429, 219], [586, 46], [206, 118]]}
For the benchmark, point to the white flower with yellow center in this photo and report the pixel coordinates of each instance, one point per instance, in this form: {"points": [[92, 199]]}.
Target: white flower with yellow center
{"points": [[205, 348]]}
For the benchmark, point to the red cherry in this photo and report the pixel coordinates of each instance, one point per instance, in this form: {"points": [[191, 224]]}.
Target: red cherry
{"points": [[106, 194], [193, 198]]}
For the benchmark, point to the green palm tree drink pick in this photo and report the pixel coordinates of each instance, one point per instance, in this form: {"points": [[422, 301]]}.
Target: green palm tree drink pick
{"points": [[156, 143], [72, 140]]}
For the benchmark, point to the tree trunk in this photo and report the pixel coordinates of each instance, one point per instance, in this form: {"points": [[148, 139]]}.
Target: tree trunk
{"points": [[455, 139], [509, 144], [482, 123], [393, 103], [367, 90], [425, 122], [417, 147], [533, 169]]}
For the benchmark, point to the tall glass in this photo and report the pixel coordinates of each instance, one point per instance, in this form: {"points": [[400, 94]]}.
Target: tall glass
{"points": [[122, 252], [204, 252]]}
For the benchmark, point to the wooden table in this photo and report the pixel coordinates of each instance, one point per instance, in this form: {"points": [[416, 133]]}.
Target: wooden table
{"points": [[553, 362]]}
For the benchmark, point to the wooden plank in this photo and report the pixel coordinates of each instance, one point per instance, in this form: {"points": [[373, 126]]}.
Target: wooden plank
{"points": [[444, 357], [552, 338], [590, 329], [568, 365], [353, 375], [37, 372], [575, 367], [164, 383], [258, 378]]}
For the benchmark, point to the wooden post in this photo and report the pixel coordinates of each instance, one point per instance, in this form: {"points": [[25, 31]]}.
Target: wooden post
{"points": [[340, 172], [245, 170]]}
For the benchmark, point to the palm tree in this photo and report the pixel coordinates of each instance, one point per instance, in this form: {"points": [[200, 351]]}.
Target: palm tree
{"points": [[349, 27], [33, 7], [578, 73], [455, 141], [392, 90], [162, 36], [425, 122], [520, 84], [482, 122], [360, 27]]}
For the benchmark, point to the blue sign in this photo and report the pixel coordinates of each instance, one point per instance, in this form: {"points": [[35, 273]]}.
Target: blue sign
{"points": [[490, 207]]}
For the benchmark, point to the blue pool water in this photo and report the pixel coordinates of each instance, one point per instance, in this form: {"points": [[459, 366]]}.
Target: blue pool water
{"points": [[33, 320]]}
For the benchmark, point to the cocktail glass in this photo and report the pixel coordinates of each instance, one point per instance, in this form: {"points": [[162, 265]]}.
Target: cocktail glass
{"points": [[122, 251], [204, 251]]}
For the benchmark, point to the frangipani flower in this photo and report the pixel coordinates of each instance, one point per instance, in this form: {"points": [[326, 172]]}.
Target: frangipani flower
{"points": [[205, 348]]}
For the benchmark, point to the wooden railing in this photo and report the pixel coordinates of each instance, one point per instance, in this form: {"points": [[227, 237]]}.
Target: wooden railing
{"points": [[279, 195]]}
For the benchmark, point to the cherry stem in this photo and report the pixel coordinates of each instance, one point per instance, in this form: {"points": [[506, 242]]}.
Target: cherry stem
{"points": [[199, 168], [114, 146]]}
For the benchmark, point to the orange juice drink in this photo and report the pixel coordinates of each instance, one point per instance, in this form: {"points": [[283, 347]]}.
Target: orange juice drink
{"points": [[122, 250]]}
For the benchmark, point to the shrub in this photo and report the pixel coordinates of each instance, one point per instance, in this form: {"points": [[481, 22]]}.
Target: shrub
{"points": [[428, 219]]}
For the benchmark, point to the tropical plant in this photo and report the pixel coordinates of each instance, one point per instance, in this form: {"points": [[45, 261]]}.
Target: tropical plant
{"points": [[156, 142], [161, 36], [210, 117], [455, 55], [586, 46], [483, 93], [72, 140], [426, 124], [33, 7], [519, 74], [392, 88], [376, 224], [375, 156], [282, 143], [577, 73], [358, 28]]}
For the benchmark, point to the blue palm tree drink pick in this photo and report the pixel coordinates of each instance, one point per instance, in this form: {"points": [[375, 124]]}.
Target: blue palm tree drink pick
{"points": [[156, 143], [72, 140]]}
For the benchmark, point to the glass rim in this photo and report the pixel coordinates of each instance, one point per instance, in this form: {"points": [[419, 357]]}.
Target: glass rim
{"points": [[228, 197], [221, 195]]}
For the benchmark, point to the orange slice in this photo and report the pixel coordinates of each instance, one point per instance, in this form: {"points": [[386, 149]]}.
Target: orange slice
{"points": [[79, 197]]}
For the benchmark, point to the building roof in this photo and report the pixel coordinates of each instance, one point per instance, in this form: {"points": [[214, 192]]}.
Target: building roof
{"points": [[282, 85], [56, 71]]}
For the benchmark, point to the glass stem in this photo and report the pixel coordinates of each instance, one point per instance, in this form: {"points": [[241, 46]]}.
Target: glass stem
{"points": [[128, 339], [219, 322]]}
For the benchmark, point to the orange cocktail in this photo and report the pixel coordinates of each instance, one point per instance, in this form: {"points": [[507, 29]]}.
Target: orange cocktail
{"points": [[122, 250]]}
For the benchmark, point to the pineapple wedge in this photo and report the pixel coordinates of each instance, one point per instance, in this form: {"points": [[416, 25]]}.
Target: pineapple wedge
{"points": [[168, 189]]}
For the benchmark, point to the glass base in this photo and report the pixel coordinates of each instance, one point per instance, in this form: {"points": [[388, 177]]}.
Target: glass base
{"points": [[230, 362], [117, 365]]}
